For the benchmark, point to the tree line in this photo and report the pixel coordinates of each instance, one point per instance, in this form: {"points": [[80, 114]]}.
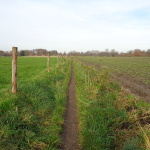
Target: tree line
{"points": [[105, 53], [113, 53], [34, 52]]}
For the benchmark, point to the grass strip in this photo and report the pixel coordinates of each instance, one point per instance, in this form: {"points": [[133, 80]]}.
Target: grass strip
{"points": [[32, 119], [109, 118]]}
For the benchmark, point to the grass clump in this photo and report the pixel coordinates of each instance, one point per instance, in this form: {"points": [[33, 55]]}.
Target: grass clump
{"points": [[32, 119], [108, 117], [132, 144]]}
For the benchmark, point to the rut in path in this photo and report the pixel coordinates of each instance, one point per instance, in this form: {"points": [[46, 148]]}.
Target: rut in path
{"points": [[70, 129]]}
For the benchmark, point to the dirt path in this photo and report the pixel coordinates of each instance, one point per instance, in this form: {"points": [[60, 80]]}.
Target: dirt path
{"points": [[70, 129]]}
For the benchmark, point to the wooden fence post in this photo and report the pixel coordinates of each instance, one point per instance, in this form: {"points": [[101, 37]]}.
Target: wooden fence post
{"points": [[48, 62], [14, 69]]}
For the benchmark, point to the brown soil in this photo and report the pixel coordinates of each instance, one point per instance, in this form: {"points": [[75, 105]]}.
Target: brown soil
{"points": [[70, 129], [133, 86], [130, 85]]}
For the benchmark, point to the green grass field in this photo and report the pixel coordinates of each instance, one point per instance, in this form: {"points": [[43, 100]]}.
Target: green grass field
{"points": [[32, 118], [109, 118], [28, 67]]}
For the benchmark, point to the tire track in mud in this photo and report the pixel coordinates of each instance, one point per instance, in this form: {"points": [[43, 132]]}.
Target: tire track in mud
{"points": [[70, 128]]}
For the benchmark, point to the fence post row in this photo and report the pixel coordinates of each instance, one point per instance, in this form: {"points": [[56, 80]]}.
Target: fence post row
{"points": [[48, 62], [14, 69]]}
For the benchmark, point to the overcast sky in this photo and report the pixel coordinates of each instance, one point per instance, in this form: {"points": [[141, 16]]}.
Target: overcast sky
{"points": [[80, 25]]}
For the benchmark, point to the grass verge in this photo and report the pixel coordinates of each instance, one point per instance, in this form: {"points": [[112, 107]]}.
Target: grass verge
{"points": [[109, 118], [32, 119]]}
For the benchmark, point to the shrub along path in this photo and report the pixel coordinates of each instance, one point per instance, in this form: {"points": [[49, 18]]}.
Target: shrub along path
{"points": [[70, 129]]}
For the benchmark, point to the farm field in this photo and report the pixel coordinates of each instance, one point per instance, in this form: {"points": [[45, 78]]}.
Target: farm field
{"points": [[28, 67], [132, 73], [108, 118]]}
